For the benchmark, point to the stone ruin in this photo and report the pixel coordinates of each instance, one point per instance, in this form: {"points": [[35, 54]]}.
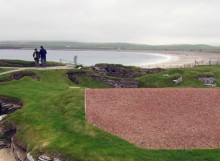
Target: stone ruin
{"points": [[209, 81]]}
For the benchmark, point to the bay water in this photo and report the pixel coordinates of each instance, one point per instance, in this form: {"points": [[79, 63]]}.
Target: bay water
{"points": [[90, 57]]}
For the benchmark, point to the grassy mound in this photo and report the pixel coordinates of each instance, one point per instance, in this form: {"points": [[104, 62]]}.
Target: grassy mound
{"points": [[18, 75], [52, 121], [190, 75]]}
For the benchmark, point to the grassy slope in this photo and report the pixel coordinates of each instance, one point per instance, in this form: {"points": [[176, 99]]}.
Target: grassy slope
{"points": [[5, 69], [23, 63], [52, 120], [189, 77]]}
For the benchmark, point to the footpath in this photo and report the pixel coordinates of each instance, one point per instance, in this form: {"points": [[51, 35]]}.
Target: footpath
{"points": [[16, 69]]}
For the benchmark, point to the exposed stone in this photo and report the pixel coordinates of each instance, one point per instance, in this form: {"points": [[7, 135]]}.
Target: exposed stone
{"points": [[21, 74], [44, 158], [2, 117], [29, 157], [117, 70], [116, 75], [117, 83], [8, 106], [4, 144], [208, 80], [73, 77], [18, 149], [178, 81]]}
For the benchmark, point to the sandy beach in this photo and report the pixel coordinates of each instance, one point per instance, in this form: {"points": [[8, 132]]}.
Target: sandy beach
{"points": [[141, 58], [185, 58]]}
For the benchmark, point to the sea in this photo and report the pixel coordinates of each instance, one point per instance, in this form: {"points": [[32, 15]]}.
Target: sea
{"points": [[91, 57]]}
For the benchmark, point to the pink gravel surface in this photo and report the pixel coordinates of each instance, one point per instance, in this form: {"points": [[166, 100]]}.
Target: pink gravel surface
{"points": [[162, 118]]}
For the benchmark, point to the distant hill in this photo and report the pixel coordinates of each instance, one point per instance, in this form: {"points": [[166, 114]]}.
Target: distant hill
{"points": [[103, 46]]}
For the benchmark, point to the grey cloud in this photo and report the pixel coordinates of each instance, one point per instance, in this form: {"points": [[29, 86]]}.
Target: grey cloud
{"points": [[137, 21]]}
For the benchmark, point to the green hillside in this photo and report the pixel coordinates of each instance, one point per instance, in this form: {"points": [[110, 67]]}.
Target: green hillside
{"points": [[52, 120], [104, 46], [189, 75]]}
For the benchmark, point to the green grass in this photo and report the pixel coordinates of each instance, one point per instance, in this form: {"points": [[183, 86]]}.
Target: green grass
{"points": [[53, 121], [126, 46], [91, 83], [22, 63], [5, 69], [189, 75]]}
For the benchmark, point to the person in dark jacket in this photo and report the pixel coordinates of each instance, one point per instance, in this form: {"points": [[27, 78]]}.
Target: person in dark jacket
{"points": [[43, 53], [36, 56]]}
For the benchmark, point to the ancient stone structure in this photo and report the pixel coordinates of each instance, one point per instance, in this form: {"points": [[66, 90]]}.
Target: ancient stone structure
{"points": [[117, 70], [9, 105], [114, 82], [116, 75], [208, 80], [13, 144]]}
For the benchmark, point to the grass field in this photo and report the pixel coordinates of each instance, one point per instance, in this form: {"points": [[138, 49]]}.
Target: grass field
{"points": [[5, 69], [22, 63], [189, 75], [53, 120]]}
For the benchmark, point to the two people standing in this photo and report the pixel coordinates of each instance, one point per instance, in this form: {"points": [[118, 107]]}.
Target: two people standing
{"points": [[40, 55]]}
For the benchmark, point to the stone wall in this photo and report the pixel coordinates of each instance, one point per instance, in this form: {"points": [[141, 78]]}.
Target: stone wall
{"points": [[117, 83], [114, 82], [116, 75], [208, 80], [117, 70]]}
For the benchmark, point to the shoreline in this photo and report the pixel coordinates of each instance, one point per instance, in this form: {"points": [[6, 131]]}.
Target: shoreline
{"points": [[183, 58], [173, 59]]}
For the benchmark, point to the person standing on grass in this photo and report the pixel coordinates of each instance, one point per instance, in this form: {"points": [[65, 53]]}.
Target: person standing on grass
{"points": [[43, 53], [36, 56]]}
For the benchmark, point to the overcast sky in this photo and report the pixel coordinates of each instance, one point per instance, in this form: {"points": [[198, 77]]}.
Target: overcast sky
{"points": [[134, 21]]}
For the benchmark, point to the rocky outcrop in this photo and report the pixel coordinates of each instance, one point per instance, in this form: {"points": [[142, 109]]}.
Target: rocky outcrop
{"points": [[117, 70], [8, 105], [208, 80], [47, 158], [18, 149]]}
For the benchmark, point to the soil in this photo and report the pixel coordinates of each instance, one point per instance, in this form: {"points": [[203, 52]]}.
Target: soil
{"points": [[165, 118], [7, 105], [6, 155]]}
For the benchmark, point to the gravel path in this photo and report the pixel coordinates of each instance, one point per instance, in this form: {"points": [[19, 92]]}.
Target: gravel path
{"points": [[165, 118]]}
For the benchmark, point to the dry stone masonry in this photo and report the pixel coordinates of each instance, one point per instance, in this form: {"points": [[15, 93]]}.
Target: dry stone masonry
{"points": [[115, 75], [208, 81]]}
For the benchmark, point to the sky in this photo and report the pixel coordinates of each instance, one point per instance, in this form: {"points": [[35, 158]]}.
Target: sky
{"points": [[133, 21]]}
